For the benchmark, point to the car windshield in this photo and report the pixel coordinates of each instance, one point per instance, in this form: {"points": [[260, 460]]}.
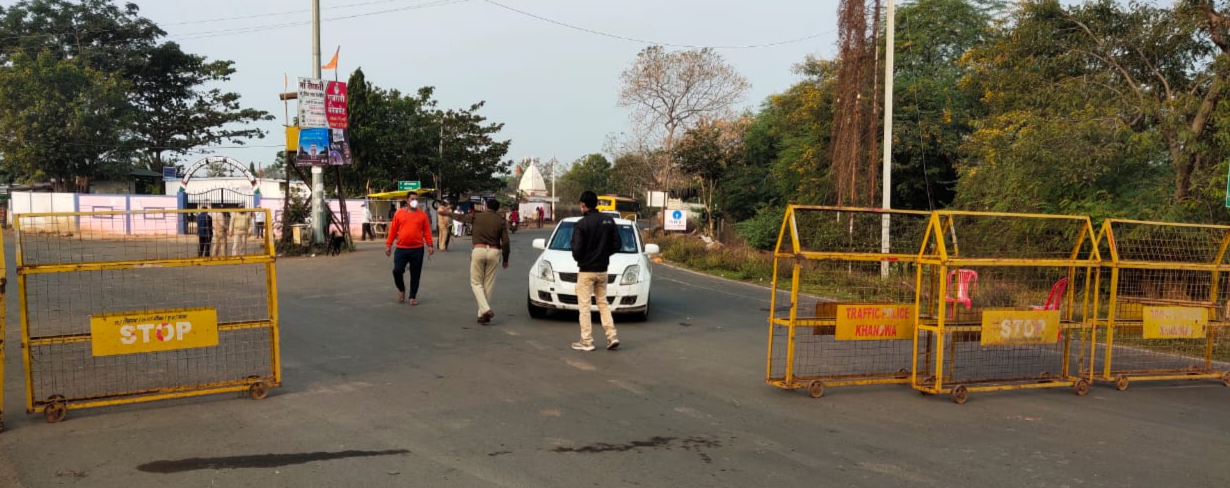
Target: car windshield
{"points": [[562, 240]]}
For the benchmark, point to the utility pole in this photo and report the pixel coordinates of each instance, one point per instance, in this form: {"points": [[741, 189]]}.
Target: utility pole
{"points": [[318, 175], [554, 196], [887, 203], [440, 163]]}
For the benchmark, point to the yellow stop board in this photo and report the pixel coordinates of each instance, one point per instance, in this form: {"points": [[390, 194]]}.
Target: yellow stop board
{"points": [[153, 331], [1019, 327]]}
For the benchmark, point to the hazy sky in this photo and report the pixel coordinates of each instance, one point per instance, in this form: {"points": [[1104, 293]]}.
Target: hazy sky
{"points": [[554, 87]]}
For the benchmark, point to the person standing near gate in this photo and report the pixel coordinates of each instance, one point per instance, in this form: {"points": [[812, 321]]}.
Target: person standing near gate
{"points": [[444, 220], [367, 223], [594, 239], [260, 223], [241, 227], [204, 232], [491, 245], [411, 228], [223, 220]]}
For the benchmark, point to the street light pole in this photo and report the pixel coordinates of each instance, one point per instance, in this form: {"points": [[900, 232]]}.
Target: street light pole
{"points": [[887, 202], [318, 176]]}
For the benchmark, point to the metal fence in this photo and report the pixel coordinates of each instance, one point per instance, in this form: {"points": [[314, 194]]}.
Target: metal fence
{"points": [[1158, 316], [111, 318], [1001, 302], [849, 319]]}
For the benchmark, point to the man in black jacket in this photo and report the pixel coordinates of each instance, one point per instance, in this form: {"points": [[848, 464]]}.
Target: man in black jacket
{"points": [[594, 239]]}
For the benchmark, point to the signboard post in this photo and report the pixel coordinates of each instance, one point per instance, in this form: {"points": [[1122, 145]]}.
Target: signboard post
{"points": [[409, 185]]}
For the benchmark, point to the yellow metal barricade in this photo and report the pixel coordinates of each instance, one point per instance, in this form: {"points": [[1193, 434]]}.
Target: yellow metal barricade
{"points": [[134, 306], [3, 314], [1164, 315], [1001, 302], [843, 297]]}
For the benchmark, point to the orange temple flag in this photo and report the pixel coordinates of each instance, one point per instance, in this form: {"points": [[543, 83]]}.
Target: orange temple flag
{"points": [[333, 62]]}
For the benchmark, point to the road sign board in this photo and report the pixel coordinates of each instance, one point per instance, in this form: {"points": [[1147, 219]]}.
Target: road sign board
{"points": [[408, 185], [676, 220]]}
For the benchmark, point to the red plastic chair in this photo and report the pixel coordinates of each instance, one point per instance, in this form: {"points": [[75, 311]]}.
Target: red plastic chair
{"points": [[967, 278], [1055, 299]]}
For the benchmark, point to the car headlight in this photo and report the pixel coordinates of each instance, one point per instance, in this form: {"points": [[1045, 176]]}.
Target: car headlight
{"points": [[632, 275], [545, 271]]}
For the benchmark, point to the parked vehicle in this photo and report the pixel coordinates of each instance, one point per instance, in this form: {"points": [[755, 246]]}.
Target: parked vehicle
{"points": [[553, 276]]}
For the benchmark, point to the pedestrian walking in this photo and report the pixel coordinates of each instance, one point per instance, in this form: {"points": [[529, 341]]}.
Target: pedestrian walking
{"points": [[241, 227], [594, 239], [444, 220], [540, 216], [492, 247], [204, 232], [411, 228], [367, 223]]}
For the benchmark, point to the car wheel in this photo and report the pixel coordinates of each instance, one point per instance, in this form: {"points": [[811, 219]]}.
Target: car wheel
{"points": [[535, 311], [641, 316]]}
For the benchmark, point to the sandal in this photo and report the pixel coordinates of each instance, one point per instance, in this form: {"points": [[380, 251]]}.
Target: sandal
{"points": [[414, 301], [401, 297]]}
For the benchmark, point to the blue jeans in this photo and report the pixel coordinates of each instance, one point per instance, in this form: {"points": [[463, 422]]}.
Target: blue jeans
{"points": [[414, 257]]}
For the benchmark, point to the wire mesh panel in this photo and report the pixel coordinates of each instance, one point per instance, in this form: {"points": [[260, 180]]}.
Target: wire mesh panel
{"points": [[848, 318], [1001, 302], [120, 307], [1162, 313]]}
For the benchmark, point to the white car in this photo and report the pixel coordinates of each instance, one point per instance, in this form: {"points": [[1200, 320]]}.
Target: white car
{"points": [[553, 277]]}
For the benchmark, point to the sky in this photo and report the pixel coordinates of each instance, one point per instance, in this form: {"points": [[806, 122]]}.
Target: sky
{"points": [[553, 87]]}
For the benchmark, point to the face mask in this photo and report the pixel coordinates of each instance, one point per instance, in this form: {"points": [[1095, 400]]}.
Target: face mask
{"points": [[414, 204]]}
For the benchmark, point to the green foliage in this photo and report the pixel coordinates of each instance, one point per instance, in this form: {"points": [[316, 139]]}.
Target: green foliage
{"points": [[761, 231], [166, 108], [58, 120], [396, 136]]}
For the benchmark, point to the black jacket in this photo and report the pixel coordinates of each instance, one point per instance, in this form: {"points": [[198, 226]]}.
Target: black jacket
{"points": [[594, 239]]}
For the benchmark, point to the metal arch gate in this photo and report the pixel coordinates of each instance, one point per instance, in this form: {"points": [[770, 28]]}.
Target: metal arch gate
{"points": [[220, 198]]}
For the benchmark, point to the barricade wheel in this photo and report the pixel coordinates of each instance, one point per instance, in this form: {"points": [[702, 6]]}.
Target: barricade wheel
{"points": [[816, 389], [258, 391], [55, 410], [960, 394], [1046, 375], [903, 373], [1121, 383], [1225, 379], [1081, 387]]}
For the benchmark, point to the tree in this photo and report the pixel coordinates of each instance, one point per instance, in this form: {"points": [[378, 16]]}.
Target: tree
{"points": [[706, 151], [397, 137], [60, 120], [170, 110], [669, 91], [933, 111]]}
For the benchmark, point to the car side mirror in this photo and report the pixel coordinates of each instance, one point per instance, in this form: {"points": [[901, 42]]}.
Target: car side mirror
{"points": [[539, 243], [652, 249]]}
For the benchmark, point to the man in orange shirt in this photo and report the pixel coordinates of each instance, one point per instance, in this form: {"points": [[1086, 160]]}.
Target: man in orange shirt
{"points": [[411, 228]]}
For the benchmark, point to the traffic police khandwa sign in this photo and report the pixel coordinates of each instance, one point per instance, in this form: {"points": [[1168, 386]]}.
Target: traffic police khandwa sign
{"points": [[153, 331], [874, 322]]}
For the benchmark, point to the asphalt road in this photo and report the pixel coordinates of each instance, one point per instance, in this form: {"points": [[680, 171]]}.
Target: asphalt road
{"points": [[381, 394]]}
